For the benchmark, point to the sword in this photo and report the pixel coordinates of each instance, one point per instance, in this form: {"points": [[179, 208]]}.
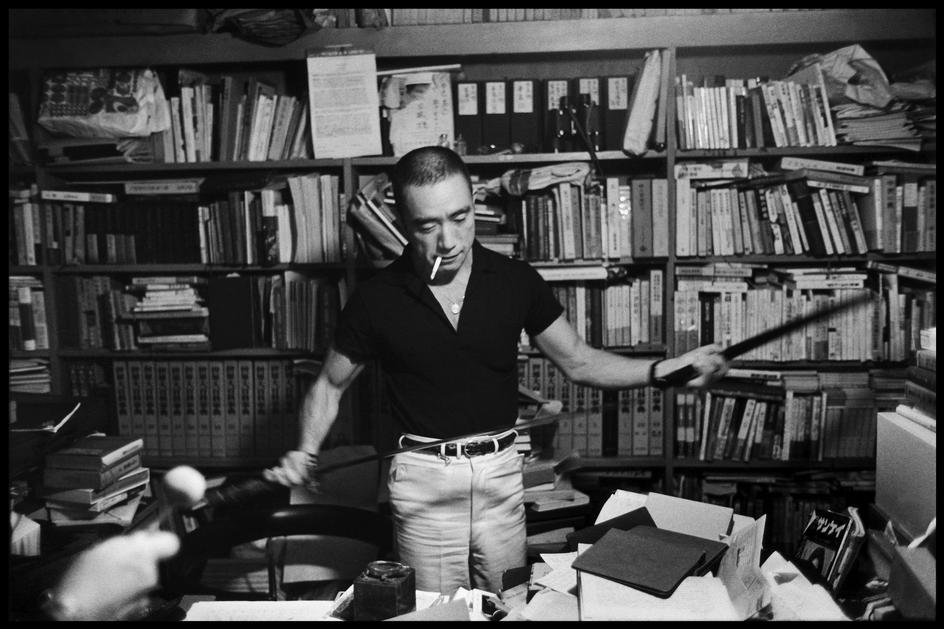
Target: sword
{"points": [[681, 376]]}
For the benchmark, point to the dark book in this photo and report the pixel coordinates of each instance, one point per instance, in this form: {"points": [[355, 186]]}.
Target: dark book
{"points": [[95, 452], [822, 543], [226, 296], [92, 479], [649, 559]]}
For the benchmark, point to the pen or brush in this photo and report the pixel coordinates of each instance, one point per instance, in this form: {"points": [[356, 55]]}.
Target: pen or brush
{"points": [[436, 264]]}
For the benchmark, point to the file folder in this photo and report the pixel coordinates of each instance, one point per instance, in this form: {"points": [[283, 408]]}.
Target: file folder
{"points": [[527, 115], [558, 131], [614, 109], [495, 121], [469, 111]]}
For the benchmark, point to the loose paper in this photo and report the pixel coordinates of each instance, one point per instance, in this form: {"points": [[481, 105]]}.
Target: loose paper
{"points": [[344, 105]]}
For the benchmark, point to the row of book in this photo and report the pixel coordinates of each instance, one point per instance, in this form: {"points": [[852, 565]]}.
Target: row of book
{"points": [[96, 478], [589, 426], [615, 314], [883, 329], [410, 17], [234, 117], [28, 327], [730, 113], [257, 226], [787, 501], [617, 218], [218, 409], [811, 207], [741, 422], [282, 311]]}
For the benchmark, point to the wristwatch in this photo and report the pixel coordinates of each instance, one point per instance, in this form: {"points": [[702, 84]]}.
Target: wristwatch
{"points": [[657, 382]]}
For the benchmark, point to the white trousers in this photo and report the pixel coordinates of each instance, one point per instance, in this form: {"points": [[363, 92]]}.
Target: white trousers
{"points": [[459, 521]]}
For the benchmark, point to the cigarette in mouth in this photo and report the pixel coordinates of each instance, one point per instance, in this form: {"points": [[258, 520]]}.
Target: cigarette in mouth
{"points": [[436, 264]]}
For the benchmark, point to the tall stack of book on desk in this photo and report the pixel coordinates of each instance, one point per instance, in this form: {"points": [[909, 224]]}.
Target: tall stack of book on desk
{"points": [[97, 479]]}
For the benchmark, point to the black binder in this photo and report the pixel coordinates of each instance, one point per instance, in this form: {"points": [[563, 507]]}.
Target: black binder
{"points": [[615, 92], [496, 130], [557, 124], [469, 106], [527, 114]]}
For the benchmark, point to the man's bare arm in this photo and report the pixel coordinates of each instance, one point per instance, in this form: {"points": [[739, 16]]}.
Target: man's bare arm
{"points": [[319, 409], [587, 365]]}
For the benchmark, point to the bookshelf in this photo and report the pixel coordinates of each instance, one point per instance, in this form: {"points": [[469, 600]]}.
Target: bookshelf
{"points": [[735, 44]]}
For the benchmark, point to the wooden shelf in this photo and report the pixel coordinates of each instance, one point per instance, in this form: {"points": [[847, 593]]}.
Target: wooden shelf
{"points": [[169, 268], [249, 352], [829, 464], [547, 38]]}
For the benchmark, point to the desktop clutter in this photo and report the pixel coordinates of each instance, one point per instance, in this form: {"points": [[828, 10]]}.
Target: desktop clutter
{"points": [[647, 557]]}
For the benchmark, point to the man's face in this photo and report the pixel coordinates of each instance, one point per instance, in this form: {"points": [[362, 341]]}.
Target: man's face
{"points": [[440, 221]]}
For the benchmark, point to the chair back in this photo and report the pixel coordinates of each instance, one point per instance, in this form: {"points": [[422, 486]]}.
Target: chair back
{"points": [[215, 539]]}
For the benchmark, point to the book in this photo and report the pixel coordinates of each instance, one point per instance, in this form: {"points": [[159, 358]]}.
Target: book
{"points": [[97, 506], [825, 538], [77, 196], [95, 452], [791, 162], [93, 479], [661, 558]]}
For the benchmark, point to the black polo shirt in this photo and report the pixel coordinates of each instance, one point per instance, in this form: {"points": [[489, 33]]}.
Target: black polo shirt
{"points": [[446, 382]]}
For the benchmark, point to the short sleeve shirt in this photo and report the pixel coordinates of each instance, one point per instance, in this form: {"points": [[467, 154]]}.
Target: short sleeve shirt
{"points": [[444, 382]]}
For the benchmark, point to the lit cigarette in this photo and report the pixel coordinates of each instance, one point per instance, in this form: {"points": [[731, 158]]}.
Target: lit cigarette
{"points": [[436, 264]]}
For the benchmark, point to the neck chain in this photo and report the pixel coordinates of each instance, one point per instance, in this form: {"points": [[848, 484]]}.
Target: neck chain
{"points": [[454, 306]]}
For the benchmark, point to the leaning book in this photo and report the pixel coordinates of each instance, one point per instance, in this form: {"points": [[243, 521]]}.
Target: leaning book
{"points": [[826, 546]]}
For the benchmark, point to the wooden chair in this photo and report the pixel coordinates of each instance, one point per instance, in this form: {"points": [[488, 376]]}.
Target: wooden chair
{"points": [[211, 544]]}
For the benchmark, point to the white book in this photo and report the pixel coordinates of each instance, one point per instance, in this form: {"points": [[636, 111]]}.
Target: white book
{"points": [[791, 162], [77, 196]]}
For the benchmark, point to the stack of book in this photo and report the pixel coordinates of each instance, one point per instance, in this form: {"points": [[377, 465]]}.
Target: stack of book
{"points": [[30, 375], [864, 125], [920, 401], [99, 478], [170, 312]]}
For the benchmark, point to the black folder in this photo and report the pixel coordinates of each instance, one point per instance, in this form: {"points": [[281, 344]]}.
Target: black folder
{"points": [[469, 110], [527, 114], [558, 128], [649, 559], [496, 129], [615, 92]]}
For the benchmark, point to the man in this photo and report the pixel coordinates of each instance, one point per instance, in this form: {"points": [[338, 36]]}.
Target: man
{"points": [[444, 321]]}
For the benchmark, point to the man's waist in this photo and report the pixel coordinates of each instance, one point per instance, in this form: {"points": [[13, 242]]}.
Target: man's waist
{"points": [[470, 446]]}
